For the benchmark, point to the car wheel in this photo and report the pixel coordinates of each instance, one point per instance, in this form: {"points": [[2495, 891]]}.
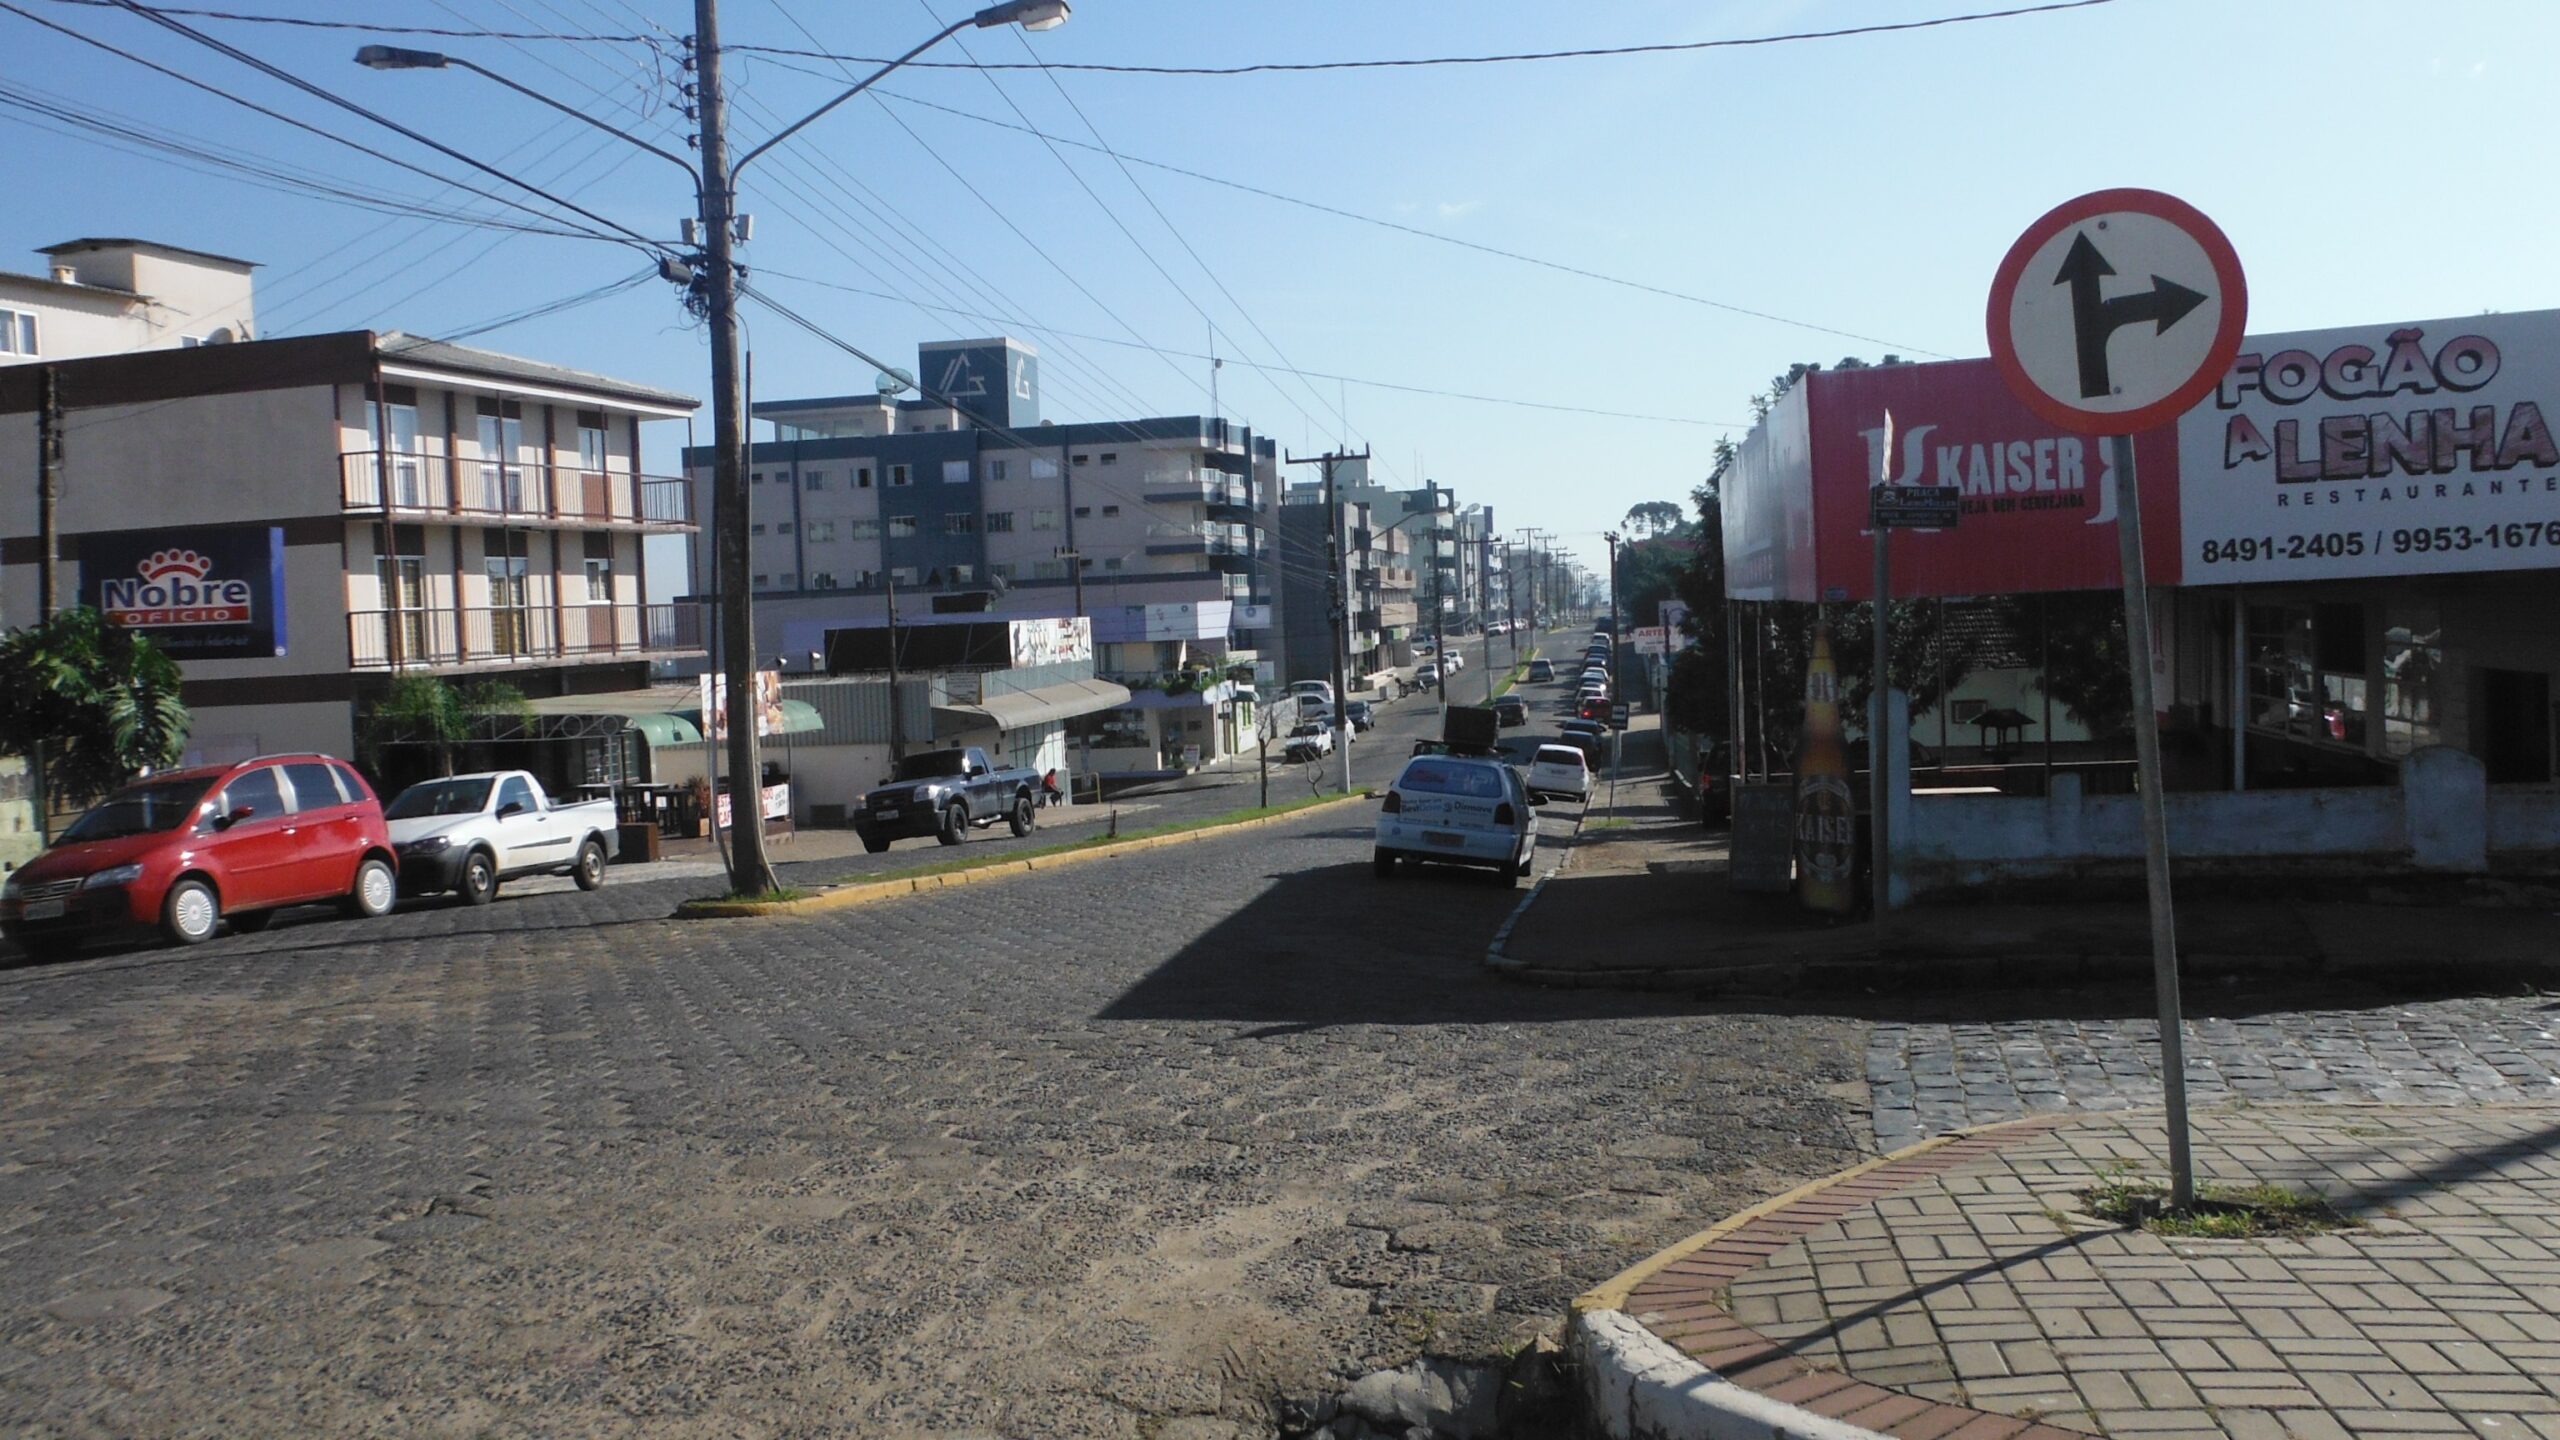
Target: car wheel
{"points": [[590, 868], [189, 912], [1022, 820], [479, 883], [377, 890], [874, 844], [955, 824], [250, 922], [1384, 864]]}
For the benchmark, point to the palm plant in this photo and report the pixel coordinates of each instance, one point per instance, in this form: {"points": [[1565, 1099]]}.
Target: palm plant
{"points": [[95, 701]]}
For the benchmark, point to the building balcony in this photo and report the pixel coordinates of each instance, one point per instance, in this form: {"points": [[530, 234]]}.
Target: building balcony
{"points": [[424, 487], [479, 637], [1226, 497]]}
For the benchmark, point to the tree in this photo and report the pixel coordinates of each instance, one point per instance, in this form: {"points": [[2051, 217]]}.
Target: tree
{"points": [[98, 700], [1654, 517], [429, 710], [2084, 657]]}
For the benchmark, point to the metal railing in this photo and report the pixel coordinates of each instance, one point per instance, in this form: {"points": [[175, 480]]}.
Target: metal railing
{"points": [[508, 634], [424, 484]]}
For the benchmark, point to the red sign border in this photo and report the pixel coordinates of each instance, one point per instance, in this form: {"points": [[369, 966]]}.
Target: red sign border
{"points": [[2226, 341]]}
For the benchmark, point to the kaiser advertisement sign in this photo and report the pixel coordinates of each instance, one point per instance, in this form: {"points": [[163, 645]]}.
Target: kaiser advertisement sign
{"points": [[2377, 450], [200, 593]]}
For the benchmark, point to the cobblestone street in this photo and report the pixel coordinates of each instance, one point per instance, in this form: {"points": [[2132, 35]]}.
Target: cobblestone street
{"points": [[1168, 1136]]}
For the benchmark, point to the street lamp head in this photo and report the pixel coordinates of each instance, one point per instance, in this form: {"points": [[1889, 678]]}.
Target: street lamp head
{"points": [[392, 57], [1029, 14]]}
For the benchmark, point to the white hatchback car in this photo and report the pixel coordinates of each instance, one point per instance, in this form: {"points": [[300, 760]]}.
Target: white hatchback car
{"points": [[1458, 810], [1559, 770]]}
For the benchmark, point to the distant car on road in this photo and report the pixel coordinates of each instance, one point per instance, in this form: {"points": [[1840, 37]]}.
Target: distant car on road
{"points": [[1715, 784], [1511, 710], [944, 794], [1361, 715], [1559, 770], [1593, 707], [1542, 669], [1312, 740], [1588, 736], [1458, 810], [1426, 675]]}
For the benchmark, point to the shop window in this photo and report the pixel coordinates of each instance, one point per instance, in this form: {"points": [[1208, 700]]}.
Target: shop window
{"points": [[2307, 676], [2412, 679]]}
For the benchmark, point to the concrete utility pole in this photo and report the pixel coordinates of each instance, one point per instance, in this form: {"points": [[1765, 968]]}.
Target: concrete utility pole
{"points": [[1484, 607], [49, 489], [1439, 602], [1335, 598], [1617, 639], [897, 736]]}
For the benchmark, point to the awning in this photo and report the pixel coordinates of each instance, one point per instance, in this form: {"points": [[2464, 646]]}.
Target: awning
{"points": [[799, 717], [1205, 698], [662, 730], [1017, 709]]}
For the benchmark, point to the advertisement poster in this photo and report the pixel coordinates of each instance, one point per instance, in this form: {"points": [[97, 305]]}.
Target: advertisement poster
{"points": [[1050, 641], [715, 705], [2395, 449], [1826, 813], [775, 800], [201, 593]]}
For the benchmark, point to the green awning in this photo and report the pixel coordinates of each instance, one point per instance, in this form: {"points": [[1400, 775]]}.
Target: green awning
{"points": [[799, 717], [663, 730]]}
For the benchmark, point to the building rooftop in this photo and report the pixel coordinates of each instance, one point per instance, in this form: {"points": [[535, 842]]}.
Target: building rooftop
{"points": [[120, 242], [446, 355]]}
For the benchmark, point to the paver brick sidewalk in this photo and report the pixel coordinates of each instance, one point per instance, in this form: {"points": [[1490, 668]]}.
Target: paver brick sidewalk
{"points": [[1962, 1290]]}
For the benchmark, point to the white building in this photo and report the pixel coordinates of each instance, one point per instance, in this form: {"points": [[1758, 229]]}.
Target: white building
{"points": [[112, 297]]}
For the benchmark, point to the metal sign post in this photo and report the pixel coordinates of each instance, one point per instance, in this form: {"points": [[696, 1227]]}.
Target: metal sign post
{"points": [[2114, 313]]}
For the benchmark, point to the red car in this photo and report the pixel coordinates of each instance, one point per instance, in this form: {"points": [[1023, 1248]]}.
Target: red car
{"points": [[1595, 708], [181, 851]]}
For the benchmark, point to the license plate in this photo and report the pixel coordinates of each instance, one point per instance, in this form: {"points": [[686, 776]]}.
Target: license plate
{"points": [[1443, 839], [884, 814], [44, 910]]}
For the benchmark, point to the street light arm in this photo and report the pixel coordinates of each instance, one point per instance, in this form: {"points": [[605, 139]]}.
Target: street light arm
{"points": [[804, 121]]}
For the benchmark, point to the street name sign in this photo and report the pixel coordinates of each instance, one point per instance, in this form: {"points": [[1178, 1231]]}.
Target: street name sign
{"points": [[1914, 507], [2117, 311]]}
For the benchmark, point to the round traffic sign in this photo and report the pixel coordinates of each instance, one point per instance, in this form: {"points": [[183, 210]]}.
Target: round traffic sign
{"points": [[2117, 311]]}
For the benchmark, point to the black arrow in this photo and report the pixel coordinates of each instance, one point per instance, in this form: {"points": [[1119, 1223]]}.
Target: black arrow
{"points": [[2094, 320]]}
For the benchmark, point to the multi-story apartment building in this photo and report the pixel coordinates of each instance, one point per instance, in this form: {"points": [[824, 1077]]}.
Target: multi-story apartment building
{"points": [[1378, 612], [368, 505], [968, 501], [112, 297]]}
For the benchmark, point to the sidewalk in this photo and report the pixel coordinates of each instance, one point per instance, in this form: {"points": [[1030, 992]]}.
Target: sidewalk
{"points": [[1962, 1289], [1650, 879]]}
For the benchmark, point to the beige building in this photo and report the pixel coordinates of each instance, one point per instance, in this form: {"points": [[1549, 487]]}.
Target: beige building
{"points": [[112, 297], [301, 520]]}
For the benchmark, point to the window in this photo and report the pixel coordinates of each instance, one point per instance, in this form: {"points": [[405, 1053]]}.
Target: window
{"points": [[1110, 457], [1084, 562], [814, 480], [592, 449], [995, 470], [999, 522], [902, 527], [515, 792], [822, 580], [782, 529], [862, 477], [903, 574], [756, 529], [819, 532], [2307, 672], [1111, 564], [785, 580], [257, 791], [1043, 468], [1048, 569], [960, 522], [955, 472], [1084, 512], [963, 574], [999, 570], [865, 529], [316, 786], [1110, 510], [2412, 678], [755, 477], [763, 582], [599, 566], [1044, 519], [1082, 458], [898, 475], [17, 332]]}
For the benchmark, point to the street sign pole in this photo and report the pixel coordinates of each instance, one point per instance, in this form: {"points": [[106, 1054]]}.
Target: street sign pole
{"points": [[1879, 829], [2155, 827]]}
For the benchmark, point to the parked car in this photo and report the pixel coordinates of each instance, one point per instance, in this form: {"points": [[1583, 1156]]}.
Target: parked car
{"points": [[1426, 675], [1593, 707], [1322, 690], [1587, 736], [1542, 669], [1559, 770], [183, 851], [1458, 810], [469, 833], [1456, 660], [1362, 716], [1511, 710], [1715, 784], [944, 794], [1312, 740]]}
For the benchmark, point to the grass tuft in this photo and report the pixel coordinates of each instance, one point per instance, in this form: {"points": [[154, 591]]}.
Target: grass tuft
{"points": [[2221, 1212]]}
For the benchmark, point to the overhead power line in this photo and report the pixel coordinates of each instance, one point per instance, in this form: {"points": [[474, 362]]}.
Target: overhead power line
{"points": [[1525, 57], [370, 28]]}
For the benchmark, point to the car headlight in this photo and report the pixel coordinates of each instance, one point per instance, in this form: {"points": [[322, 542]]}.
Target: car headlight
{"points": [[120, 875], [428, 846]]}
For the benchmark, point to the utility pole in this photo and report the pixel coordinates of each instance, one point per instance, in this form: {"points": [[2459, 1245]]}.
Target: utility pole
{"points": [[897, 735], [1510, 611], [1439, 602], [1074, 559], [1617, 638], [750, 873], [1335, 599], [1484, 607], [49, 489]]}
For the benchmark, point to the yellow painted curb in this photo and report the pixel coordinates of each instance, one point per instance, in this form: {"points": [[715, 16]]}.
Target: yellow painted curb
{"points": [[1612, 1293], [848, 897]]}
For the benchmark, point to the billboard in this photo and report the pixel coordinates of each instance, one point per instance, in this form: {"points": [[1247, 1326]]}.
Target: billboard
{"points": [[1050, 641], [715, 705], [2376, 450], [201, 592]]}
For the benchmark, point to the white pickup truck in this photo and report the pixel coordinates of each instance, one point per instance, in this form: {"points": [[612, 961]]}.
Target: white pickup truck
{"points": [[466, 833]]}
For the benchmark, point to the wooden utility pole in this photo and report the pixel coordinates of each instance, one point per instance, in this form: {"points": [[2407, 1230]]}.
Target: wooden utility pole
{"points": [[49, 488], [1337, 603]]}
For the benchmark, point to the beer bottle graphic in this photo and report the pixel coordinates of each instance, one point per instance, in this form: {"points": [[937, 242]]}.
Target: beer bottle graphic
{"points": [[1826, 812]]}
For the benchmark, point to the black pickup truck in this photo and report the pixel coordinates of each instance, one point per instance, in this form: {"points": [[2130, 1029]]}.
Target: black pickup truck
{"points": [[942, 793]]}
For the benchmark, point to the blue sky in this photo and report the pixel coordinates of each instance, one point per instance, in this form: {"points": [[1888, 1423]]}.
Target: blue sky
{"points": [[2370, 160]]}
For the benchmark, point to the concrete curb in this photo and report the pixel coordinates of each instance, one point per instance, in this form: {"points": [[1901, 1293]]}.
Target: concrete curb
{"points": [[847, 897], [1494, 959], [1639, 1386]]}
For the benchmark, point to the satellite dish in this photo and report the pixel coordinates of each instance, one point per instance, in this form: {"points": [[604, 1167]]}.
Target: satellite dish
{"points": [[221, 336], [894, 382]]}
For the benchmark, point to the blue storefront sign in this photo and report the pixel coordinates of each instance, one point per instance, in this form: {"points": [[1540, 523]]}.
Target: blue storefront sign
{"points": [[200, 592]]}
